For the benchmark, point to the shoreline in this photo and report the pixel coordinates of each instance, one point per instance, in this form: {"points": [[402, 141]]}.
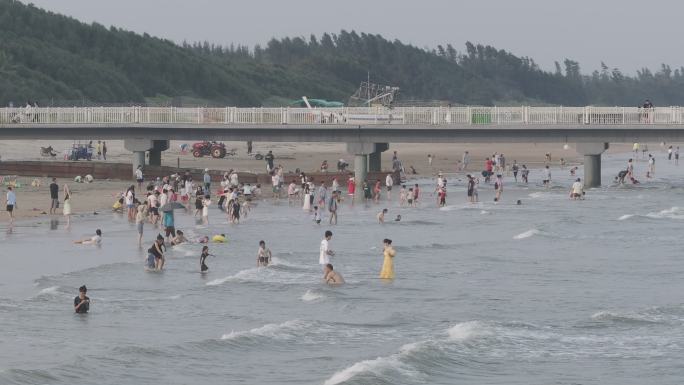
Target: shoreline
{"points": [[101, 194]]}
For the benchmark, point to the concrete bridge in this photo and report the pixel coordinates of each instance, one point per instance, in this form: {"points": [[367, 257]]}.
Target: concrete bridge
{"points": [[366, 130]]}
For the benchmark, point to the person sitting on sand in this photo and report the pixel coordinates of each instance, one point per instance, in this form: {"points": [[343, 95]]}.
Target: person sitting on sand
{"points": [[94, 240], [332, 277]]}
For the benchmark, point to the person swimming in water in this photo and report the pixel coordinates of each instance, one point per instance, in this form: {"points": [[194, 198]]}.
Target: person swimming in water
{"points": [[398, 218], [203, 258], [332, 277], [263, 255]]}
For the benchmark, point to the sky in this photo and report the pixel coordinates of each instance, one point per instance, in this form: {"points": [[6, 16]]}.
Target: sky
{"points": [[628, 34]]}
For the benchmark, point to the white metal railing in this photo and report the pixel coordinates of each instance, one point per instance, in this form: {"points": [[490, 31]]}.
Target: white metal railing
{"points": [[414, 116]]}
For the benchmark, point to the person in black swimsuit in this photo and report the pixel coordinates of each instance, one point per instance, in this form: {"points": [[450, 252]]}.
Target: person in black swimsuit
{"points": [[155, 254], [203, 258]]}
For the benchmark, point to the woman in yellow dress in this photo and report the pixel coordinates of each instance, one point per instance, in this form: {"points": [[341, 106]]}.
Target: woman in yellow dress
{"points": [[388, 264]]}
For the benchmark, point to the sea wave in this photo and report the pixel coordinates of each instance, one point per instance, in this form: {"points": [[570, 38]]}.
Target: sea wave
{"points": [[311, 296], [626, 216], [527, 234], [671, 213], [376, 370], [282, 331]]}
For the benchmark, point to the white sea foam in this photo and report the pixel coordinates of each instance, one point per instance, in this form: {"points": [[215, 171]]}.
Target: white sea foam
{"points": [[527, 234], [626, 216], [52, 290], [311, 296], [484, 212], [265, 275], [468, 330], [283, 330], [379, 366], [671, 213]]}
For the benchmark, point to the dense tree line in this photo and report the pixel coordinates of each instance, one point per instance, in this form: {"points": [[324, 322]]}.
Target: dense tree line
{"points": [[49, 57]]}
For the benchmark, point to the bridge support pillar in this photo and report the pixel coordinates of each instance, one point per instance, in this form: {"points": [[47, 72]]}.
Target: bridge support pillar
{"points": [[138, 147], [360, 175], [375, 157], [138, 159], [592, 162], [156, 151], [361, 151]]}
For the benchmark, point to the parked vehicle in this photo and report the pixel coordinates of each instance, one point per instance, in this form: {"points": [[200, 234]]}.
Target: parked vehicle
{"points": [[80, 151], [213, 149], [48, 151]]}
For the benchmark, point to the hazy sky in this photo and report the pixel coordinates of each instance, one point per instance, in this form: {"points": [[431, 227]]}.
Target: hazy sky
{"points": [[628, 34]]}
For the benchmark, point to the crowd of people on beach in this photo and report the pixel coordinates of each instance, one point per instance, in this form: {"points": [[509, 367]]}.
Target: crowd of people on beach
{"points": [[153, 203]]}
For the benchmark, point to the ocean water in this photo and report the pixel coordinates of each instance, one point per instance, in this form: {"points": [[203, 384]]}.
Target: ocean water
{"points": [[552, 291]]}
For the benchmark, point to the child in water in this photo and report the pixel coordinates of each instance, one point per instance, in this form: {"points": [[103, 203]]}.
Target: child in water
{"points": [[317, 215], [203, 258]]}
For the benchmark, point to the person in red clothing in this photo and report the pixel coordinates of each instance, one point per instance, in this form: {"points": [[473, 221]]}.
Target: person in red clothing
{"points": [[416, 194], [351, 188], [489, 169], [377, 189], [441, 194]]}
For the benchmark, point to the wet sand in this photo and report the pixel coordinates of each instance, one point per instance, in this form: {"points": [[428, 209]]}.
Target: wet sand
{"points": [[99, 196]]}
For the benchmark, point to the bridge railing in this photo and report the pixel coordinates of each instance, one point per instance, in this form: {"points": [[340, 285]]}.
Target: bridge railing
{"points": [[523, 115]]}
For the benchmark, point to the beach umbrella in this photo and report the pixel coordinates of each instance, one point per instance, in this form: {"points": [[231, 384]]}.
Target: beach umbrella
{"points": [[170, 206]]}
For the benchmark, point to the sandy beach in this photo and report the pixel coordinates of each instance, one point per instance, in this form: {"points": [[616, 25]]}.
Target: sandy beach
{"points": [[99, 196]]}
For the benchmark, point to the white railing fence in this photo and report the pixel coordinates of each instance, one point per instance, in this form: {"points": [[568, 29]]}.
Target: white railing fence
{"points": [[428, 116]]}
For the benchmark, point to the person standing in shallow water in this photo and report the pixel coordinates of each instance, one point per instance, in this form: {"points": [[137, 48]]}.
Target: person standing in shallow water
{"points": [[82, 302], [203, 258], [388, 252]]}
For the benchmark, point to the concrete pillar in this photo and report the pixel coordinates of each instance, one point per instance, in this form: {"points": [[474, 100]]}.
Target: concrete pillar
{"points": [[360, 175], [155, 157], [155, 152], [592, 162], [375, 162], [592, 170], [138, 160]]}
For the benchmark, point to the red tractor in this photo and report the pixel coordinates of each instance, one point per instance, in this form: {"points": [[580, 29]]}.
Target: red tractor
{"points": [[216, 150]]}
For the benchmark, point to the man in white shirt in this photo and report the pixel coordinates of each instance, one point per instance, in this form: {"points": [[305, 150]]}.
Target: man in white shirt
{"points": [[577, 190], [325, 252], [389, 182], [139, 177], [233, 177]]}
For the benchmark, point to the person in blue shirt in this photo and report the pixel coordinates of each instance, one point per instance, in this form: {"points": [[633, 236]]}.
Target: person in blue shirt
{"points": [[207, 181], [11, 203], [169, 224]]}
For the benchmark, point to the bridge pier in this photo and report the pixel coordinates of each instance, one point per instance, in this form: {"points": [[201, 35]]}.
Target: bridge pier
{"points": [[592, 162], [156, 151], [138, 159], [138, 147], [375, 158], [362, 152]]}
